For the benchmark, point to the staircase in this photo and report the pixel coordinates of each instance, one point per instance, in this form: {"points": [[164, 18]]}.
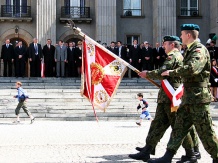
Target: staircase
{"points": [[60, 99]]}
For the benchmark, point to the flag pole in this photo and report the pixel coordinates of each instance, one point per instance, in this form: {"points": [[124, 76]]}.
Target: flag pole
{"points": [[79, 32]]}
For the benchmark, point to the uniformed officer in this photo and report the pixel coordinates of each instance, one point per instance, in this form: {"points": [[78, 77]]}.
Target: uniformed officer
{"points": [[165, 115], [194, 109]]}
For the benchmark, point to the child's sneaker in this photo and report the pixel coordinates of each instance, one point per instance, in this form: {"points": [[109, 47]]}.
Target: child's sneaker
{"points": [[32, 120], [139, 124], [16, 122]]}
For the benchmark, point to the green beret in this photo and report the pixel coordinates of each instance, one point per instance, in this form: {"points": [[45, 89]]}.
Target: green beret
{"points": [[171, 38], [190, 27]]}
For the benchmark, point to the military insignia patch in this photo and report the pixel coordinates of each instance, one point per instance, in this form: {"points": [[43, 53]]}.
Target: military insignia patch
{"points": [[97, 73], [101, 96], [90, 49], [115, 68]]}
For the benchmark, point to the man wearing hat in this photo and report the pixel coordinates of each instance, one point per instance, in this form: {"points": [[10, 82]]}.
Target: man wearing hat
{"points": [[194, 109], [165, 114]]}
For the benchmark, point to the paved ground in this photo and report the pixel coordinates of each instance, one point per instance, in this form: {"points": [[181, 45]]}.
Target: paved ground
{"points": [[79, 142]]}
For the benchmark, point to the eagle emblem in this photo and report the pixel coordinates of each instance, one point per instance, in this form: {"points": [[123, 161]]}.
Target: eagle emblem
{"points": [[97, 73]]}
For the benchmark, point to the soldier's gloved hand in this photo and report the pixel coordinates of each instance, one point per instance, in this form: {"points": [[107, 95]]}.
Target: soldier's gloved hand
{"points": [[216, 80]]}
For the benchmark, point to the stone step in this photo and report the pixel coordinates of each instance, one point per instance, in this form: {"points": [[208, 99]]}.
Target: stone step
{"points": [[60, 99]]}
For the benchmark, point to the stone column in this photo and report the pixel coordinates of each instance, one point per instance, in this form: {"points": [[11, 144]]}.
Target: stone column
{"points": [[46, 21], [106, 27], [164, 19]]}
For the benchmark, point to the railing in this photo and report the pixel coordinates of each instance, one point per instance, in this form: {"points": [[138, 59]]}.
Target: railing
{"points": [[132, 12], [75, 12], [15, 11], [185, 12]]}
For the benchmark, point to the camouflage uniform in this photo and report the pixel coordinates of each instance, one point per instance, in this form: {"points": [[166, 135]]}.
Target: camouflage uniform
{"points": [[164, 117], [194, 108]]}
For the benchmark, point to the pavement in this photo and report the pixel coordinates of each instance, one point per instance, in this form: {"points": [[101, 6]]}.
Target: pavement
{"points": [[78, 142]]}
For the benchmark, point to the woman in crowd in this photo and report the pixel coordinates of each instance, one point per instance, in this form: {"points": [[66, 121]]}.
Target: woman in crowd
{"points": [[214, 79]]}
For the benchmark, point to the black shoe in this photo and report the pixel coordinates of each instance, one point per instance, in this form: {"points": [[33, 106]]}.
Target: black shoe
{"points": [[139, 124], [32, 120], [185, 159], [140, 156], [167, 158]]}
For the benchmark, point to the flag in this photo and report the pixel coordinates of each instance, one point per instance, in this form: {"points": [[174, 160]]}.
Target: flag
{"points": [[174, 95], [101, 74]]}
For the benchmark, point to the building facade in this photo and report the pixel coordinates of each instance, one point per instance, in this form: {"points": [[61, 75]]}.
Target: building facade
{"points": [[104, 20]]}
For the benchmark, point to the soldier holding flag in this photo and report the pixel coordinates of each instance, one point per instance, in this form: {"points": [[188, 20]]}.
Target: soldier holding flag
{"points": [[166, 112]]}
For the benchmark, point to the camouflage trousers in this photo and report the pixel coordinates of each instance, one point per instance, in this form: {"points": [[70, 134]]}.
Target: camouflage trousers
{"points": [[22, 104], [199, 116], [162, 120]]}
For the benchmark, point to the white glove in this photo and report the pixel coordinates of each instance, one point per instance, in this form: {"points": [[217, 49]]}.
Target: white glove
{"points": [[216, 80]]}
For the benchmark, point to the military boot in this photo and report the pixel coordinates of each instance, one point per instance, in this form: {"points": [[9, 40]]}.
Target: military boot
{"points": [[143, 155], [167, 158], [197, 152], [189, 157]]}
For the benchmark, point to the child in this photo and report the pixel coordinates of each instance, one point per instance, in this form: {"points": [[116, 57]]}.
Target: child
{"points": [[21, 96], [144, 105]]}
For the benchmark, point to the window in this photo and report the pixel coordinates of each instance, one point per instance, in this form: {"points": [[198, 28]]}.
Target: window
{"points": [[75, 8], [132, 8], [131, 38], [16, 7], [189, 8]]}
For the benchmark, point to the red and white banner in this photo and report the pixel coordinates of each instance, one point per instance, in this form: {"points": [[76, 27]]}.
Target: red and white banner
{"points": [[174, 95], [101, 74]]}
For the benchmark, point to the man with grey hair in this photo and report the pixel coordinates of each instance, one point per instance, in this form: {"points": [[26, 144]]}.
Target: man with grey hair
{"points": [[146, 58], [35, 58], [60, 58]]}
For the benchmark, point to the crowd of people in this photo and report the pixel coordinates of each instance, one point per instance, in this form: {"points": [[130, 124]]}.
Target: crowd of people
{"points": [[61, 60]]}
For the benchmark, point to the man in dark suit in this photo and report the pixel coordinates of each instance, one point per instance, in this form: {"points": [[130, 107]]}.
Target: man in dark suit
{"points": [[156, 56], [79, 57], [7, 57], [163, 55], [135, 57], [122, 51], [71, 59], [113, 48], [35, 58], [146, 57], [48, 53], [20, 59]]}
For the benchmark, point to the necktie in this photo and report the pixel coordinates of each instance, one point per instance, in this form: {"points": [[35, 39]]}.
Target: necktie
{"points": [[7, 45]]}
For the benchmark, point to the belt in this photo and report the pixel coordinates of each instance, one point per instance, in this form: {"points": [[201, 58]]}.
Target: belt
{"points": [[199, 84]]}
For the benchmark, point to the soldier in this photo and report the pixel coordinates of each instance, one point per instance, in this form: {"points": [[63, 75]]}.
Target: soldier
{"points": [[165, 115], [194, 109]]}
